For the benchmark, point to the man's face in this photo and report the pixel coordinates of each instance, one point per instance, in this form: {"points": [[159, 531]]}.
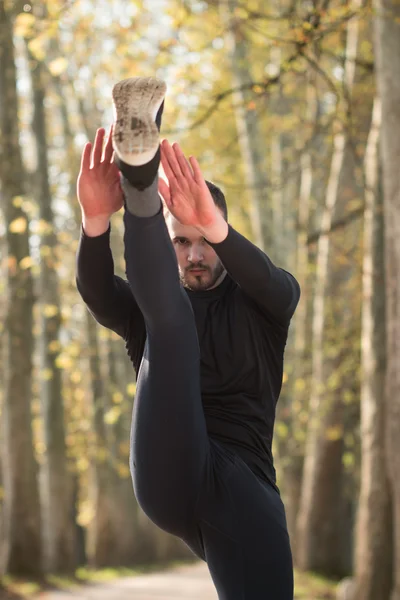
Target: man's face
{"points": [[199, 266]]}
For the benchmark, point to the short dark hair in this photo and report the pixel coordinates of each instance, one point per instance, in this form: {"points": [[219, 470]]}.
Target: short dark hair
{"points": [[218, 198]]}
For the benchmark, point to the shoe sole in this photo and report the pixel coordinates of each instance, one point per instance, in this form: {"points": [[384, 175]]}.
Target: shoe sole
{"points": [[135, 134]]}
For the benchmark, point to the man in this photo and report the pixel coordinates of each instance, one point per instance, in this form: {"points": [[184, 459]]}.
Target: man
{"points": [[205, 317]]}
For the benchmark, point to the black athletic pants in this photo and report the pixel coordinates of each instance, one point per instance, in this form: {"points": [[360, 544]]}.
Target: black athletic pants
{"points": [[187, 483]]}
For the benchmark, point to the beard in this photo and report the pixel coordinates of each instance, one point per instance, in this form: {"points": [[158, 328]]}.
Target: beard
{"points": [[203, 281]]}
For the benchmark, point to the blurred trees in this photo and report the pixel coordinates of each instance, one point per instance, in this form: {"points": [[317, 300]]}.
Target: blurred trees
{"points": [[21, 530], [387, 45], [276, 101]]}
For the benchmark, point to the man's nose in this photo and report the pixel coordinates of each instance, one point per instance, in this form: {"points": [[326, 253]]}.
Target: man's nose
{"points": [[195, 254]]}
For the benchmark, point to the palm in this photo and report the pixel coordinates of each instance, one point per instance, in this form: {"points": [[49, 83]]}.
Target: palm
{"points": [[186, 195], [98, 186]]}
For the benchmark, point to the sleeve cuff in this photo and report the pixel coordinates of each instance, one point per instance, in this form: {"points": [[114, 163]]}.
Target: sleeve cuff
{"points": [[104, 235], [224, 242]]}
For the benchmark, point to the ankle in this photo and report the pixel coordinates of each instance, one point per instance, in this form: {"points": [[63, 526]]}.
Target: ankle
{"points": [[143, 176]]}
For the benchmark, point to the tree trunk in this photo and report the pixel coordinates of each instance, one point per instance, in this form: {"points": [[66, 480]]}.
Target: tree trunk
{"points": [[21, 543], [251, 140], [322, 512], [387, 46], [103, 545], [295, 396], [125, 511], [58, 526], [101, 530], [308, 542], [373, 553]]}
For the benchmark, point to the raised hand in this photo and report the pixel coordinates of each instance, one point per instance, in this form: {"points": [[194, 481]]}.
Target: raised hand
{"points": [[98, 186], [186, 194]]}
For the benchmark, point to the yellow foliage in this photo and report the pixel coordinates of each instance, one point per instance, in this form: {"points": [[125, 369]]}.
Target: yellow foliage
{"points": [[348, 459], [117, 397], [17, 201], [37, 46], [58, 66], [131, 389], [24, 24], [63, 361], [79, 394], [74, 349], [241, 13], [123, 471], [258, 89], [300, 384], [26, 263], [41, 227], [334, 433], [64, 237], [76, 377], [66, 312], [281, 429], [112, 415], [50, 310], [45, 251], [28, 206], [82, 464], [46, 374], [54, 346], [19, 225]]}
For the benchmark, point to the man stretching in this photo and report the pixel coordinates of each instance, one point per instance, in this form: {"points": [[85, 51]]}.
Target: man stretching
{"points": [[204, 315]]}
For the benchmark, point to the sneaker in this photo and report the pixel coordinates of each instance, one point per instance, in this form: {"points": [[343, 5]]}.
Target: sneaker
{"points": [[138, 104]]}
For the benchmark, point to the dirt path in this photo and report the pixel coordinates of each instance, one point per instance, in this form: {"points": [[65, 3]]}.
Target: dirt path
{"points": [[187, 582]]}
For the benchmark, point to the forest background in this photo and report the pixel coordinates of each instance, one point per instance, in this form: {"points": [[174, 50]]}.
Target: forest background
{"points": [[293, 109]]}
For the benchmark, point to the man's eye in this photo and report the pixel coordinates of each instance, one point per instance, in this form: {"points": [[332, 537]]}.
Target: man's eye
{"points": [[181, 241]]}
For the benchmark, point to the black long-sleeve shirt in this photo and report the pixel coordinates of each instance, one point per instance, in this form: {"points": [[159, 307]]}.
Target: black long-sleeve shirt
{"points": [[242, 327]]}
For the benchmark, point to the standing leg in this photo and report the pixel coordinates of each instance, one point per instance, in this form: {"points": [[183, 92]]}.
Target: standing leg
{"points": [[244, 533], [169, 441]]}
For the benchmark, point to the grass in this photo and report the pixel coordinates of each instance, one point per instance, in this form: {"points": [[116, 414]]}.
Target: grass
{"points": [[308, 586]]}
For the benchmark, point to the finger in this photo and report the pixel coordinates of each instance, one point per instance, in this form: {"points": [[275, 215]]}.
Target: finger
{"points": [[98, 147], [183, 163], [108, 148], [165, 151], [85, 161], [164, 191], [172, 160], [198, 175]]}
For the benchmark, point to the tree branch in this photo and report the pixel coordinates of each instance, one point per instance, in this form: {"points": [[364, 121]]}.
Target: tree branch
{"points": [[339, 223]]}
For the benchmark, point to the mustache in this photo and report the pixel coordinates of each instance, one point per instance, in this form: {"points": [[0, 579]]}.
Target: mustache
{"points": [[198, 266]]}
